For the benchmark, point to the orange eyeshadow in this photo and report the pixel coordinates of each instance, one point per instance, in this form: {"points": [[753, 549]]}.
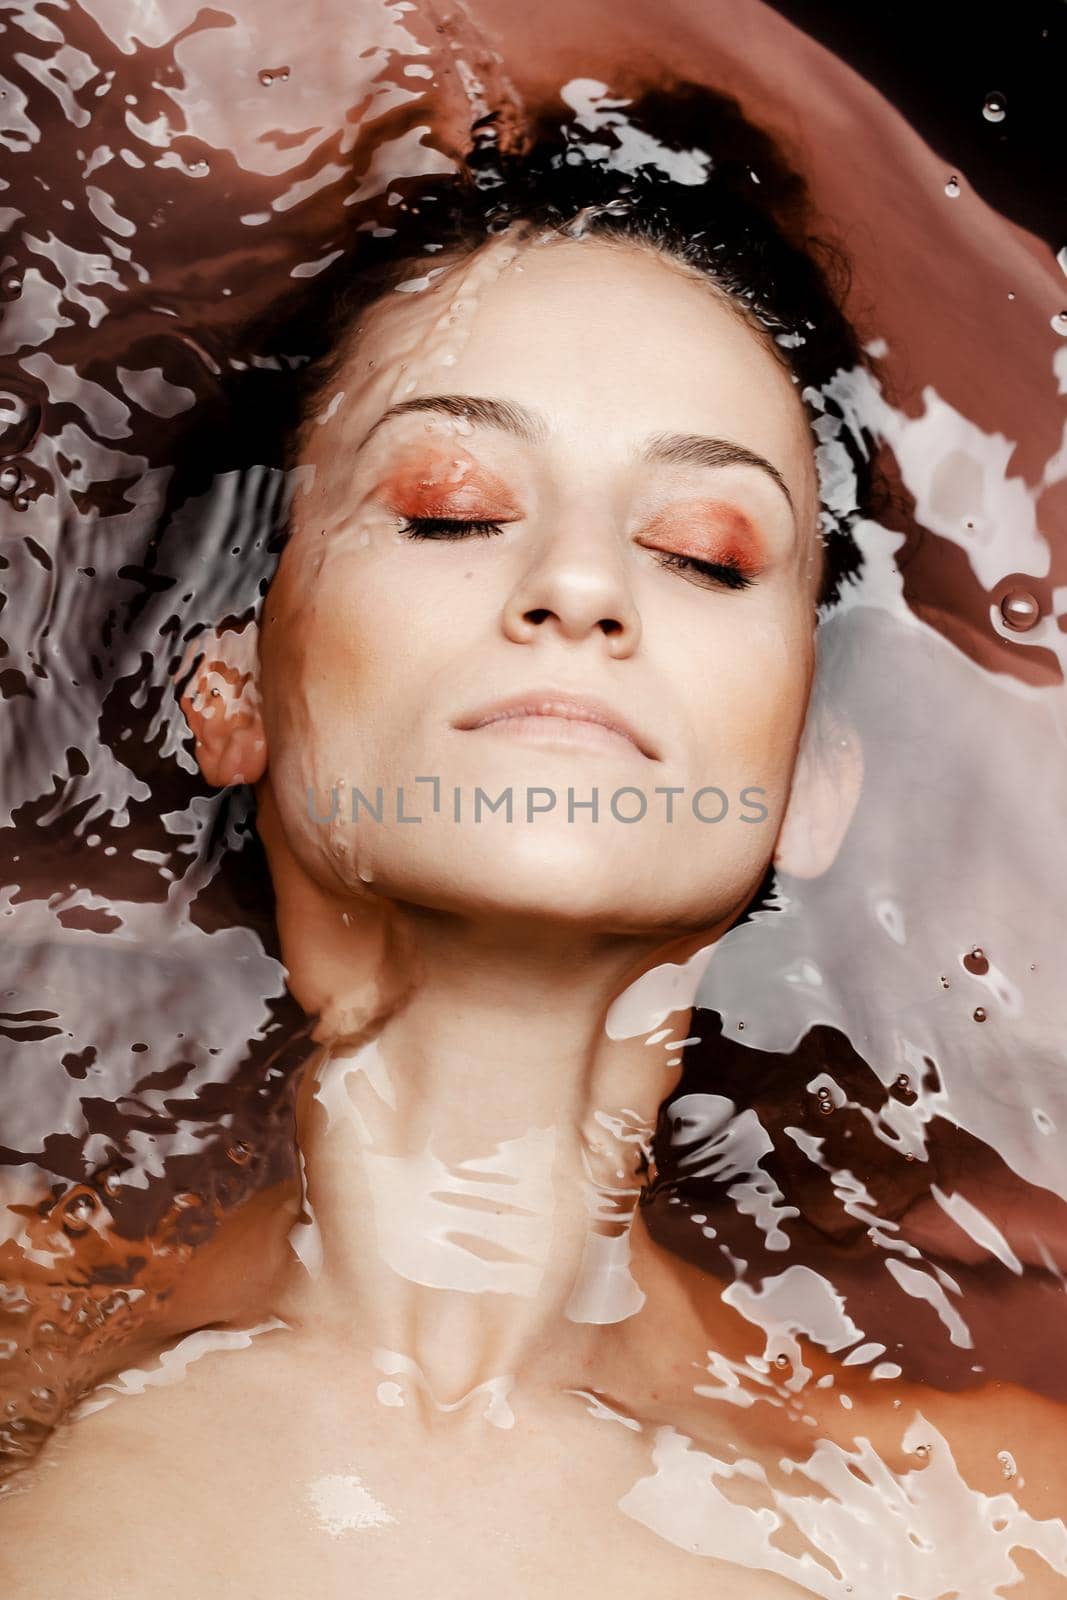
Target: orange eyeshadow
{"points": [[444, 483], [711, 533]]}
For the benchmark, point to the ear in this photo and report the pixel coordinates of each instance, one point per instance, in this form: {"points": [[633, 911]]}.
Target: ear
{"points": [[221, 705], [827, 782]]}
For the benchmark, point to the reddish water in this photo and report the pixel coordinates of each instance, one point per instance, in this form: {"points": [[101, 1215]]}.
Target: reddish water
{"points": [[889, 1115]]}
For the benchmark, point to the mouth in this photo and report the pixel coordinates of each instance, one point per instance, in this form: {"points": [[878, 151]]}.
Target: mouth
{"points": [[560, 719]]}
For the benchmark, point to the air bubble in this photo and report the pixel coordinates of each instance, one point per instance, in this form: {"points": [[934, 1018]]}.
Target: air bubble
{"points": [[952, 188], [944, 982], [781, 1360], [1059, 322], [995, 108], [1020, 610], [979, 1014], [10, 478], [42, 1399]]}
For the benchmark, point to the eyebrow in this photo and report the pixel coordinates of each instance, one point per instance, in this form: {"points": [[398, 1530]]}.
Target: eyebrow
{"points": [[670, 449]]}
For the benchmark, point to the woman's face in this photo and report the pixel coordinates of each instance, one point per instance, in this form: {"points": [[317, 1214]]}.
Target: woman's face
{"points": [[622, 424]]}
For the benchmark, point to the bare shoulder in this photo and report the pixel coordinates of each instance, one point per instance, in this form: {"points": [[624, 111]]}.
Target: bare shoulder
{"points": [[136, 1428]]}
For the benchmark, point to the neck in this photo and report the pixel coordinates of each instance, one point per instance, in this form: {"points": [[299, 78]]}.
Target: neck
{"points": [[472, 1165]]}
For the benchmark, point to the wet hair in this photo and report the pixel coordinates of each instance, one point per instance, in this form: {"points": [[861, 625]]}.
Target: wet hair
{"points": [[678, 170]]}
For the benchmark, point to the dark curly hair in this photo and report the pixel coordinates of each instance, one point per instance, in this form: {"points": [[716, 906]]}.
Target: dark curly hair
{"points": [[678, 170]]}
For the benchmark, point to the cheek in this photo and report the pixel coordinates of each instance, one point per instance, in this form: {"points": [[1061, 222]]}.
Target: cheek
{"points": [[750, 697], [355, 645]]}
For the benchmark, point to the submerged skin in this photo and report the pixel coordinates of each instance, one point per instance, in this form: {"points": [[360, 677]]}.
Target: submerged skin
{"points": [[487, 994]]}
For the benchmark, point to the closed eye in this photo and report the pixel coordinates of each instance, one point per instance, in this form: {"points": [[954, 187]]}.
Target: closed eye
{"points": [[447, 528], [708, 574]]}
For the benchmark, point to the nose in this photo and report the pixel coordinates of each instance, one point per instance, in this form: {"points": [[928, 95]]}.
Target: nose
{"points": [[576, 584]]}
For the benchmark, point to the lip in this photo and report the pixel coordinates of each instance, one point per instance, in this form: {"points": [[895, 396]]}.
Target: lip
{"points": [[561, 703]]}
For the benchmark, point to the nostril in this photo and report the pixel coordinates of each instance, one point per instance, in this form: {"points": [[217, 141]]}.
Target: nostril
{"points": [[610, 625]]}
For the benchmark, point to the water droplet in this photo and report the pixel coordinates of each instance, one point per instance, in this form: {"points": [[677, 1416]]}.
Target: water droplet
{"points": [[200, 168], [21, 502], [76, 1212], [266, 79], [1020, 610], [1059, 322], [977, 961], [908, 1155], [1011, 295], [903, 1082], [20, 420], [781, 1359], [826, 1107], [952, 188], [995, 108], [979, 1013], [922, 1450], [107, 1178], [10, 478], [1007, 1463], [10, 286], [740, 1025]]}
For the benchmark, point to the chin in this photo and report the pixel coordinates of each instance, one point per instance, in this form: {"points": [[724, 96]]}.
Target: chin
{"points": [[564, 876]]}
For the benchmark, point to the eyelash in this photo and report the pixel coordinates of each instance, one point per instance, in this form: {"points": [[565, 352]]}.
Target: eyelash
{"points": [[727, 573]]}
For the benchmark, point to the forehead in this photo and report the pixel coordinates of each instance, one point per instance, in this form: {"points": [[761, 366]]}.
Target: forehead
{"points": [[609, 340]]}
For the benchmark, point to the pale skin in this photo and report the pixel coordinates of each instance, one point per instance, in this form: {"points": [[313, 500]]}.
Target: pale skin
{"points": [[499, 983], [514, 940]]}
